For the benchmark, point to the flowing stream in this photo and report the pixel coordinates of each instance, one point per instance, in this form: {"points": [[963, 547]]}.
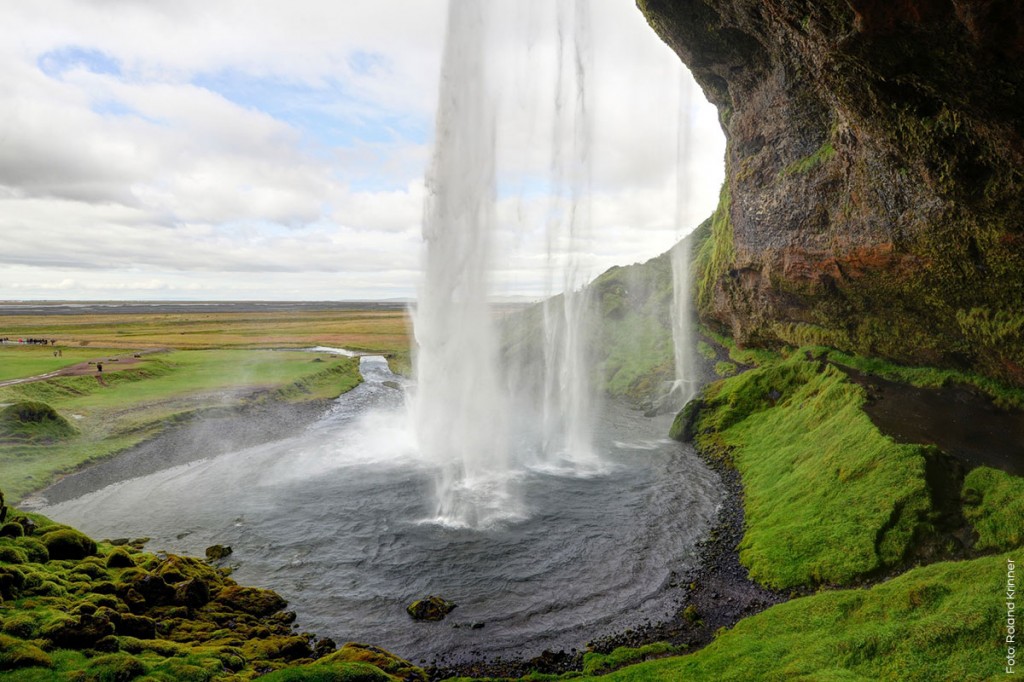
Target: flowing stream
{"points": [[340, 521]]}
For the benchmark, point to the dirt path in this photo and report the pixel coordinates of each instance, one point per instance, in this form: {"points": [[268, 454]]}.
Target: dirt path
{"points": [[112, 363]]}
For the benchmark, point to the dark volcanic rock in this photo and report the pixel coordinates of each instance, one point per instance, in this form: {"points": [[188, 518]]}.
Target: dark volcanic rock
{"points": [[874, 171]]}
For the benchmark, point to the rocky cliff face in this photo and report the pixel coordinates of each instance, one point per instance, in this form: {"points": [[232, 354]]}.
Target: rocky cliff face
{"points": [[874, 197]]}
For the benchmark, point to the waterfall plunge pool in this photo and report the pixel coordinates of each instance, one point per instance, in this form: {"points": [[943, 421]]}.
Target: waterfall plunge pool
{"points": [[337, 520]]}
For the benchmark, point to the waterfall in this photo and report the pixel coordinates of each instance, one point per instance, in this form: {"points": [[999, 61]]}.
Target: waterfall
{"points": [[569, 401], [459, 407], [462, 406], [683, 337]]}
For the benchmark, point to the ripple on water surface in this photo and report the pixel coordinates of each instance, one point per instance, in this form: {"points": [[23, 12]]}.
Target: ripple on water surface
{"points": [[334, 521]]}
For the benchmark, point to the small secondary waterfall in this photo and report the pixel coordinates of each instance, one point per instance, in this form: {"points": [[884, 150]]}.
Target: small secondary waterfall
{"points": [[462, 404], [683, 336], [459, 406]]}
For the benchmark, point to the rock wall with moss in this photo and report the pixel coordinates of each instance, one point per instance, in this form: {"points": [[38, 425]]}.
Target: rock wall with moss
{"points": [[874, 196]]}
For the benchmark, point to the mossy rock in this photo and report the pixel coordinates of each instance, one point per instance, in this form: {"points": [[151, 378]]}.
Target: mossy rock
{"points": [[11, 580], [354, 652], [431, 608], [84, 632], [34, 549], [683, 426], [21, 626], [252, 600], [217, 552], [68, 544], [12, 555], [114, 668], [12, 529], [16, 654], [334, 672], [139, 627], [33, 422], [119, 558]]}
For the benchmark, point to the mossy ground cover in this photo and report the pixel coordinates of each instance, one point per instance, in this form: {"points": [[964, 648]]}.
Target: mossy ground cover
{"points": [[939, 622], [994, 505], [131, 405], [828, 498], [75, 609]]}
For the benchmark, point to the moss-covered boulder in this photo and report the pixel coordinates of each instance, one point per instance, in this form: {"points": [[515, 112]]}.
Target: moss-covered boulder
{"points": [[114, 668], [12, 529], [33, 422], [16, 653], [120, 558], [354, 652], [252, 600], [431, 607], [68, 544]]}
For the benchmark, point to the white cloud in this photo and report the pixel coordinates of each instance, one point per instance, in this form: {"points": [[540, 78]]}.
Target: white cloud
{"points": [[267, 150]]}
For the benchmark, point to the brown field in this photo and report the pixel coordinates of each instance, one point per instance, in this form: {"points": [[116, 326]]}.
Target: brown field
{"points": [[385, 331]]}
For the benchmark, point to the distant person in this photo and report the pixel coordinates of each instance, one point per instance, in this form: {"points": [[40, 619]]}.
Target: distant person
{"points": [[99, 366]]}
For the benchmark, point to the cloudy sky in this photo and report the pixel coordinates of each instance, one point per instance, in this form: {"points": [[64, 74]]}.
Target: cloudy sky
{"points": [[257, 149]]}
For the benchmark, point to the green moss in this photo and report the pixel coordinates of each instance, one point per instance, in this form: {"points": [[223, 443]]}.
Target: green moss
{"points": [[753, 357], [15, 654], [12, 529], [715, 252], [994, 505], [337, 672], [818, 157], [932, 623], [600, 664], [33, 422], [114, 668], [384, 660], [725, 369], [817, 475], [68, 544], [706, 351]]}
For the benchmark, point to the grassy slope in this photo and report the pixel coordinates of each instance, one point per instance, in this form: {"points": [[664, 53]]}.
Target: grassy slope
{"points": [[634, 343], [829, 498], [134, 403], [940, 622]]}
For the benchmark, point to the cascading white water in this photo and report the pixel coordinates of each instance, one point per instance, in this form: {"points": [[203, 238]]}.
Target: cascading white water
{"points": [[685, 385], [462, 403], [569, 402], [459, 405]]}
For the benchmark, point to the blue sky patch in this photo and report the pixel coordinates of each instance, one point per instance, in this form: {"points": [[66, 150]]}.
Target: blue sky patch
{"points": [[56, 63], [328, 116]]}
